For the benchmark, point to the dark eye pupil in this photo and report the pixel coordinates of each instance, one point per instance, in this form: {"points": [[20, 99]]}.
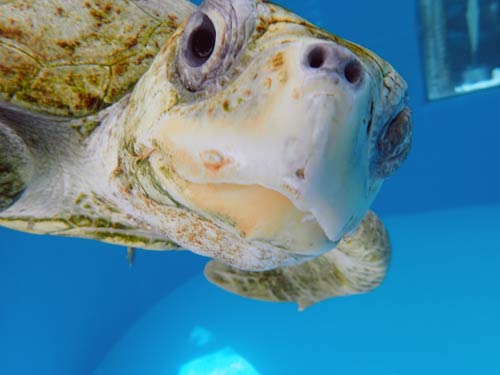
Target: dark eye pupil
{"points": [[201, 42]]}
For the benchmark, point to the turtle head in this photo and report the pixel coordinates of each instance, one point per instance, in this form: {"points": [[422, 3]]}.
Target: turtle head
{"points": [[271, 127]]}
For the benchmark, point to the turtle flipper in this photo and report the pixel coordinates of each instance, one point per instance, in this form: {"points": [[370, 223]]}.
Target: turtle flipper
{"points": [[357, 265]]}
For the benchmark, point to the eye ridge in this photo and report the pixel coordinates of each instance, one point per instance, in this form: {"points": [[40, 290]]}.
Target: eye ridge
{"points": [[201, 42]]}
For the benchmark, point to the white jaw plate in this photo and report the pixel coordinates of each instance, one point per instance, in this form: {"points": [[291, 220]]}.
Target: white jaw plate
{"points": [[289, 165]]}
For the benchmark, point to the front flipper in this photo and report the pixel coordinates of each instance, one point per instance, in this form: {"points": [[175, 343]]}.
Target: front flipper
{"points": [[358, 264]]}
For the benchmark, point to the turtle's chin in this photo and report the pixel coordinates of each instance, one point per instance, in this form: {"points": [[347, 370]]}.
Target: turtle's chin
{"points": [[337, 204]]}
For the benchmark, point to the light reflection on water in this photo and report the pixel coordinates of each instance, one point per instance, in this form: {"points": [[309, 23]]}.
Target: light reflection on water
{"points": [[223, 362]]}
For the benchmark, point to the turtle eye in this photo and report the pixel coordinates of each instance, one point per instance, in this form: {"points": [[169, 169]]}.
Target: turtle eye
{"points": [[393, 145], [213, 37], [201, 41]]}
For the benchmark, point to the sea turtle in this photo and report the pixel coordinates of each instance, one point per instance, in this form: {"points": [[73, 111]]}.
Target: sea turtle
{"points": [[236, 130]]}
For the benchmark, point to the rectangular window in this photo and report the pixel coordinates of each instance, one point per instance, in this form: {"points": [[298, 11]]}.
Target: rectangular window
{"points": [[461, 45]]}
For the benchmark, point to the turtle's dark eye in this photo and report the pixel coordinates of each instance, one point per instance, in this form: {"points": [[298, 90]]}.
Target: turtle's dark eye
{"points": [[213, 37], [201, 42], [393, 145]]}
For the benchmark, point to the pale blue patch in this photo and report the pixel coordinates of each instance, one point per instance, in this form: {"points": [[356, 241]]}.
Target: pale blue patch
{"points": [[223, 362], [201, 336]]}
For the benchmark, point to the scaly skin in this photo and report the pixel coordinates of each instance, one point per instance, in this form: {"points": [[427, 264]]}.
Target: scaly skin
{"points": [[66, 192], [75, 57], [71, 58], [254, 158], [357, 265]]}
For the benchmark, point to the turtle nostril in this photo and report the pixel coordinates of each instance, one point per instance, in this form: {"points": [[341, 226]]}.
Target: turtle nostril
{"points": [[334, 59], [316, 57], [353, 71]]}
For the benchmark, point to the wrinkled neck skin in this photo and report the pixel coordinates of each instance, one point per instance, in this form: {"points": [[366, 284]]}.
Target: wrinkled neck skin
{"points": [[150, 198], [69, 190], [144, 183], [79, 188]]}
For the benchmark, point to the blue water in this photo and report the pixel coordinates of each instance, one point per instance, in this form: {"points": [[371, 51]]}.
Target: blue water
{"points": [[71, 306]]}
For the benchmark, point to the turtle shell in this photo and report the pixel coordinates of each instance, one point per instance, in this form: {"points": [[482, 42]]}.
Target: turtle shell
{"points": [[75, 57]]}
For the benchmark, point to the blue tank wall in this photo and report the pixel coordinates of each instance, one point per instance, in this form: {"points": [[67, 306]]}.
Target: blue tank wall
{"points": [[64, 302]]}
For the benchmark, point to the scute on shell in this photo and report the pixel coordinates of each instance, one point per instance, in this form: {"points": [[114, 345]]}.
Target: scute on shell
{"points": [[74, 57]]}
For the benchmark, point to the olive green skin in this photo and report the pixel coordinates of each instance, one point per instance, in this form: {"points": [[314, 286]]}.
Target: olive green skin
{"points": [[62, 63], [68, 92], [75, 57]]}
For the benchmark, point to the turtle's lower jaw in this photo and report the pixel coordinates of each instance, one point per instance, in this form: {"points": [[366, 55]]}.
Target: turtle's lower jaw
{"points": [[254, 212]]}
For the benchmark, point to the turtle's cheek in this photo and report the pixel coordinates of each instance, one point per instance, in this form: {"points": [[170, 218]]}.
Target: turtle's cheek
{"points": [[393, 144]]}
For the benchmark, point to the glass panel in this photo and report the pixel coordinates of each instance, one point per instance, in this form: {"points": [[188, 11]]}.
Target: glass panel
{"points": [[461, 45]]}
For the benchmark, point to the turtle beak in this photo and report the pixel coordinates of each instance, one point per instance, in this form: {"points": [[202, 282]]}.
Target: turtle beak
{"points": [[362, 137], [335, 184], [337, 189]]}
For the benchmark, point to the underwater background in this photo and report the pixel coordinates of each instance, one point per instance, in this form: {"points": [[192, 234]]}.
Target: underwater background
{"points": [[70, 306]]}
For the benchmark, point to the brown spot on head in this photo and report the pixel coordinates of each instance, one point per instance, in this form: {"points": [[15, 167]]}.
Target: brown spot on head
{"points": [[300, 173], [11, 33], [261, 28], [96, 14], [213, 160], [118, 170], [69, 45], [101, 13], [131, 42], [59, 11], [226, 105], [6, 69], [247, 92], [120, 69], [88, 101], [277, 61]]}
